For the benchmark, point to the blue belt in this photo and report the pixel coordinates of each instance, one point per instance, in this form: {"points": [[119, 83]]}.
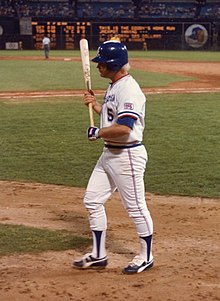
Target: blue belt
{"points": [[122, 146]]}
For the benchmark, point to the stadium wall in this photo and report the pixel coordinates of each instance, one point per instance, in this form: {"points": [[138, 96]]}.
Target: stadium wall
{"points": [[27, 33]]}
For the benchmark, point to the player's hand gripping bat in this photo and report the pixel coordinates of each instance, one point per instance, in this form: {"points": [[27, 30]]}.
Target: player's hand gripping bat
{"points": [[84, 50]]}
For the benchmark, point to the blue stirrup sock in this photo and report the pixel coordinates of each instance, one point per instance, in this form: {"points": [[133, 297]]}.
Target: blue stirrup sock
{"points": [[99, 250], [146, 247]]}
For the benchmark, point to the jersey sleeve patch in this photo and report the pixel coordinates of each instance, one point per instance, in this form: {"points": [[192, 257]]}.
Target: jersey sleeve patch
{"points": [[126, 120], [128, 106]]}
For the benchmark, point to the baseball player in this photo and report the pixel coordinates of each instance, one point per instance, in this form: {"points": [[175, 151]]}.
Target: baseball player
{"points": [[122, 163], [46, 46]]}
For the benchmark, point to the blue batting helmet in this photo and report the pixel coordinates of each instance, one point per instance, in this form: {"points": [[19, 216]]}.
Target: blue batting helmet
{"points": [[113, 53]]}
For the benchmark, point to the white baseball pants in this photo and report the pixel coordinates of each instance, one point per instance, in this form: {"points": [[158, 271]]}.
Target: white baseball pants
{"points": [[121, 169]]}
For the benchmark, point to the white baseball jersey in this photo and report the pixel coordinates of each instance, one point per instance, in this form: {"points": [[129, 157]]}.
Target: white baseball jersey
{"points": [[46, 41], [124, 98]]}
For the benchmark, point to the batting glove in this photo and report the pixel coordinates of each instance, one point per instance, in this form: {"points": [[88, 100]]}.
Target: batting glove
{"points": [[93, 133]]}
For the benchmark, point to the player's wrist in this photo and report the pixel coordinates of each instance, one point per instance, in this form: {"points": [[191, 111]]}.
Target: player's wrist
{"points": [[98, 133], [93, 133], [95, 105], [97, 108]]}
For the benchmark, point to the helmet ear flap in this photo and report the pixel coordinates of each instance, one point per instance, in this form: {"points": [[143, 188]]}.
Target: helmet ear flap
{"points": [[113, 66], [113, 53]]}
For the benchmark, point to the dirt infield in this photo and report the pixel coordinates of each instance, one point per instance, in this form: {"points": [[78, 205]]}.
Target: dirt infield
{"points": [[186, 249], [186, 239]]}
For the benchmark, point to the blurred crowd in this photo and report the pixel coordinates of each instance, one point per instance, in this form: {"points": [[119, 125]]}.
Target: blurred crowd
{"points": [[106, 10], [25, 8], [97, 10], [7, 9]]}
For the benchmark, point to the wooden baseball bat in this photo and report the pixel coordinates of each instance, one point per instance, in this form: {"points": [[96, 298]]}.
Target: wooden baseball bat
{"points": [[84, 50]]}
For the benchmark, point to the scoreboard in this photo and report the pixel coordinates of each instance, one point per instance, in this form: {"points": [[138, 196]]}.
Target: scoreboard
{"points": [[66, 35], [63, 35], [136, 33]]}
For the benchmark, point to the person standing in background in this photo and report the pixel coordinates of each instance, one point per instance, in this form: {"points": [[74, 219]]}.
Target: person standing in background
{"points": [[46, 46]]}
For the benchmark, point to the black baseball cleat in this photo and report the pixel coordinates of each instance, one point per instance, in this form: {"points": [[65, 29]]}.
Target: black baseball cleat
{"points": [[87, 261], [138, 265]]}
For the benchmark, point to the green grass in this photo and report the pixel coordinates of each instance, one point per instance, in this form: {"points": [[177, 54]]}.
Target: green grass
{"points": [[199, 56], [193, 55], [28, 75], [183, 139], [40, 75], [39, 53], [42, 142], [20, 239], [46, 142]]}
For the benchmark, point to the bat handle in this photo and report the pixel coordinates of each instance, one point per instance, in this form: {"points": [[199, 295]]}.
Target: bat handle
{"points": [[91, 115], [88, 85]]}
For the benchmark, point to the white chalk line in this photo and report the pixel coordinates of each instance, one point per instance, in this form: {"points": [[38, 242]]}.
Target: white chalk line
{"points": [[17, 95]]}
